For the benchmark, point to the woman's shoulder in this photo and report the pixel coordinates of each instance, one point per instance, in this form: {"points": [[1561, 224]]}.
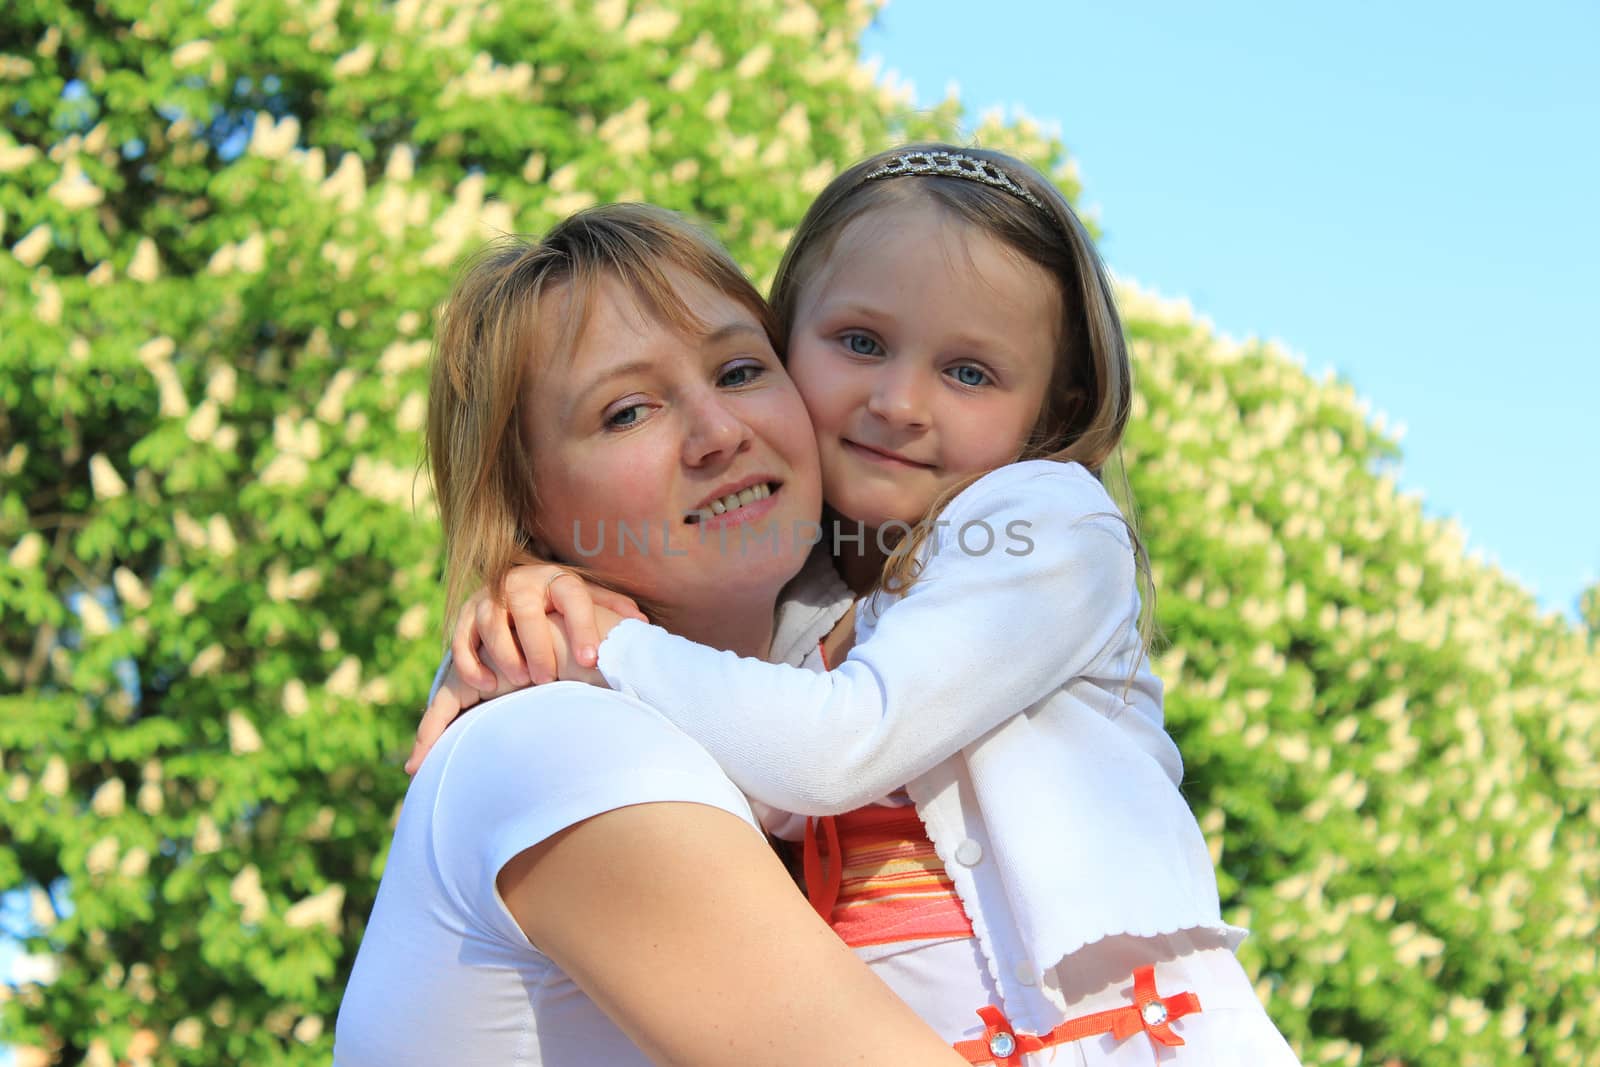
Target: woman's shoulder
{"points": [[570, 728], [525, 766]]}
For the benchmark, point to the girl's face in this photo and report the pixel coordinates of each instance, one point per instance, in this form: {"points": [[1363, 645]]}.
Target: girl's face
{"points": [[923, 348], [678, 466]]}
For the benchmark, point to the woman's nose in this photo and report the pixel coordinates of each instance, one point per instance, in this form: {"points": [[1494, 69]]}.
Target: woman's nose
{"points": [[714, 429]]}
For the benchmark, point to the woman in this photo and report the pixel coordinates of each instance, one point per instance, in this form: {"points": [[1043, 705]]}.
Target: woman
{"points": [[572, 880]]}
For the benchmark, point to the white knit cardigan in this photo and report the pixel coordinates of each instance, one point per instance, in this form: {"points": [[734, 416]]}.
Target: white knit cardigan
{"points": [[1009, 693]]}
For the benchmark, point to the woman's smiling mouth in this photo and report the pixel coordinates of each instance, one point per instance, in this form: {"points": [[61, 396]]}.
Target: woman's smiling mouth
{"points": [[735, 507]]}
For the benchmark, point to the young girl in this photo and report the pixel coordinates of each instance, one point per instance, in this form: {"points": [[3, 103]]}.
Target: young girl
{"points": [[1009, 837]]}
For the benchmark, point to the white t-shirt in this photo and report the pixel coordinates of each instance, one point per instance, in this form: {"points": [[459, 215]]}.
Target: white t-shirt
{"points": [[444, 974]]}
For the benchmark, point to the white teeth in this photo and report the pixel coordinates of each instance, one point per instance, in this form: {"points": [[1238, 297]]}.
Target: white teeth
{"points": [[726, 504]]}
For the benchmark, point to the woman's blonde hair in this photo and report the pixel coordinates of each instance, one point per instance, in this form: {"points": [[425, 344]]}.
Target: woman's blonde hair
{"points": [[1087, 403], [496, 331]]}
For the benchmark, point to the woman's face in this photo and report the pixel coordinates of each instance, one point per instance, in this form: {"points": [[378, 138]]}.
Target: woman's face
{"points": [[678, 466]]}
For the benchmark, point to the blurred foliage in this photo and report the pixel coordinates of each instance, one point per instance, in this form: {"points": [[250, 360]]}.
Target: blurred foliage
{"points": [[224, 231]]}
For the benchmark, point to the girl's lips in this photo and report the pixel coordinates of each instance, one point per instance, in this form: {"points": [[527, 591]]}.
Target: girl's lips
{"points": [[877, 455]]}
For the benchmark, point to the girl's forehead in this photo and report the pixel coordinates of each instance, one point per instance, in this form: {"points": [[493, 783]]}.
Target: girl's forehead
{"points": [[881, 221], [909, 238], [931, 227]]}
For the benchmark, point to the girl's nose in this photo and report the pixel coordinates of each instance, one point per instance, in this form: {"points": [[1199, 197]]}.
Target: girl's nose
{"points": [[899, 397]]}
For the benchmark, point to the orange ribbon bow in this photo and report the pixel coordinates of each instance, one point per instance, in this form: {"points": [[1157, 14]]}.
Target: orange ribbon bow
{"points": [[1003, 1046]]}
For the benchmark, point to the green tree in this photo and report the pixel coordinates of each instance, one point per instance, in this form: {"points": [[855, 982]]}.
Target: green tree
{"points": [[1390, 746], [224, 229]]}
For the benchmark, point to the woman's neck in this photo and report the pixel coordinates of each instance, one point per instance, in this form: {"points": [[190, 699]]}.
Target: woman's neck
{"points": [[744, 629]]}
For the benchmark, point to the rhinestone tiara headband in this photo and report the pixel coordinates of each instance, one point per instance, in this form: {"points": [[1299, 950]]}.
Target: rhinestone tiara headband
{"points": [[953, 165]]}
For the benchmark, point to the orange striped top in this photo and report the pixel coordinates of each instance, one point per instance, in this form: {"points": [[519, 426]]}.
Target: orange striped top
{"points": [[893, 886]]}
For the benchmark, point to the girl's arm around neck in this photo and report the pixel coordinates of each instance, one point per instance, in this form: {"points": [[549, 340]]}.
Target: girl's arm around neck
{"points": [[683, 927], [995, 624]]}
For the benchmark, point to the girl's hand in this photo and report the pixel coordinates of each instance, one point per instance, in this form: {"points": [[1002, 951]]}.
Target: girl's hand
{"points": [[500, 648], [516, 637], [569, 668]]}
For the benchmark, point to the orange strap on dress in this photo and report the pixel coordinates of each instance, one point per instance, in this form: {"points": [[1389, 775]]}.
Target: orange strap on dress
{"points": [[822, 889], [1003, 1046]]}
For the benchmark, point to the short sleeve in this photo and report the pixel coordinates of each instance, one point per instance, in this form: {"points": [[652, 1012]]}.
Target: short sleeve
{"points": [[528, 765]]}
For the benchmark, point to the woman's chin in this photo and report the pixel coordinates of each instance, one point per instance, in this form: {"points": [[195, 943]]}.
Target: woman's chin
{"points": [[756, 575]]}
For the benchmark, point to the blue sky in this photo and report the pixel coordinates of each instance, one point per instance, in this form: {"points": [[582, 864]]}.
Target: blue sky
{"points": [[1403, 192]]}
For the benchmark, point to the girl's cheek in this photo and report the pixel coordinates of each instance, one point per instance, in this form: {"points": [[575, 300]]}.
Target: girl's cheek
{"points": [[821, 388], [810, 407]]}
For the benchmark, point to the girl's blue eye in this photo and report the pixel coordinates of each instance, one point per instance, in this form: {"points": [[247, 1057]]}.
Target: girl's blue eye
{"points": [[624, 417], [743, 374], [862, 345], [969, 375]]}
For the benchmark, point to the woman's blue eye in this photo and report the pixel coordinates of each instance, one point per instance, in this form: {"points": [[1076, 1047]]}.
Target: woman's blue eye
{"points": [[969, 375], [741, 375], [862, 345], [624, 417]]}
